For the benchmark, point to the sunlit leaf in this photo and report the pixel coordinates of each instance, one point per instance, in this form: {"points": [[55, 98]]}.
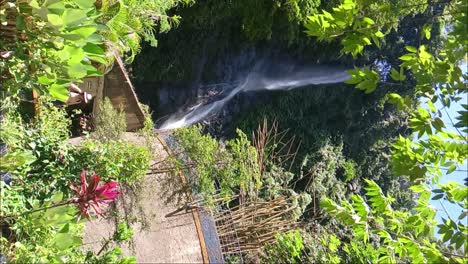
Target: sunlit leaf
{"points": [[59, 92]]}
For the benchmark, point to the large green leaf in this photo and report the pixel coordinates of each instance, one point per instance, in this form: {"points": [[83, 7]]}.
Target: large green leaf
{"points": [[93, 49], [73, 17], [56, 8], [368, 86], [44, 79], [84, 4], [55, 20], [59, 92], [76, 55], [84, 31], [77, 71], [13, 160]]}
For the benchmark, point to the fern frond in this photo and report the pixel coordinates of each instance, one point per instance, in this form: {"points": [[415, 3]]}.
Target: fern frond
{"points": [[380, 203]]}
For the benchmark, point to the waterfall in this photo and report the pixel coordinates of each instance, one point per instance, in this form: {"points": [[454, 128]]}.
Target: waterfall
{"points": [[262, 77]]}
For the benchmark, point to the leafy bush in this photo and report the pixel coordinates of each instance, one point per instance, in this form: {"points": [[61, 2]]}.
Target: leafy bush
{"points": [[401, 234], [58, 46], [233, 165], [130, 21], [51, 235], [286, 249], [123, 233], [109, 123], [113, 255], [44, 149], [43, 163], [45, 46], [124, 162], [349, 168], [320, 172], [147, 131]]}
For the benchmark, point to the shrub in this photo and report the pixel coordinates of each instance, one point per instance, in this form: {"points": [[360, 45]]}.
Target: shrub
{"points": [[287, 249], [109, 123], [232, 165], [122, 161], [349, 168], [147, 131]]}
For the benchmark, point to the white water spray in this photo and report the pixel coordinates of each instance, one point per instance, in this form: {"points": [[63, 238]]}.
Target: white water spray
{"points": [[256, 81]]}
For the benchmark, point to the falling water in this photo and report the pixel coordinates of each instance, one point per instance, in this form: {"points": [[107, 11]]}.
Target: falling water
{"points": [[285, 77]]}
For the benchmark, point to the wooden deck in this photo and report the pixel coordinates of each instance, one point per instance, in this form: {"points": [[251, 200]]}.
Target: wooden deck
{"points": [[116, 85]]}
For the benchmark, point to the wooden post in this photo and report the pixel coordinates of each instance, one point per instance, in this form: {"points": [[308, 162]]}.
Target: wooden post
{"points": [[35, 96]]}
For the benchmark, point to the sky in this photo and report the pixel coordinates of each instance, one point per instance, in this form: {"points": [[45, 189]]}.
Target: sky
{"points": [[459, 175]]}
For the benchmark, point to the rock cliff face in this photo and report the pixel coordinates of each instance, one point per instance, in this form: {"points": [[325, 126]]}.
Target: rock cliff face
{"points": [[172, 94], [207, 55], [264, 68]]}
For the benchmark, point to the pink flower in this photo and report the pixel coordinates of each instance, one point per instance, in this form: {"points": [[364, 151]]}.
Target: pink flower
{"points": [[107, 193], [93, 195]]}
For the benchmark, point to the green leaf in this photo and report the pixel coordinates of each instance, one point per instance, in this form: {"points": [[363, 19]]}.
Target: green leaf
{"points": [[93, 49], [379, 34], [438, 124], [59, 92], [57, 197], [92, 71], [395, 75], [438, 196], [43, 79], [368, 21], [459, 240], [76, 54], [95, 53], [84, 31], [411, 49], [452, 168], [396, 99], [56, 8], [407, 57], [14, 160], [73, 17], [431, 106], [65, 228], [77, 71], [96, 39], [447, 236], [55, 20], [426, 32], [34, 4], [84, 4], [376, 41], [463, 215], [368, 86]]}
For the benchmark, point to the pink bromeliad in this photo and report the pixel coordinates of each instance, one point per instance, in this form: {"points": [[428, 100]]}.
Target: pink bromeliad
{"points": [[93, 195]]}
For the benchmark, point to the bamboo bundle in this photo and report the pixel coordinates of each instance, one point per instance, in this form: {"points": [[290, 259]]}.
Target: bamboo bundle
{"points": [[250, 226]]}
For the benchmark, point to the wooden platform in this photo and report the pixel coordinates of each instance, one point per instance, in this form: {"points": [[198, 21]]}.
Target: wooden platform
{"points": [[116, 85]]}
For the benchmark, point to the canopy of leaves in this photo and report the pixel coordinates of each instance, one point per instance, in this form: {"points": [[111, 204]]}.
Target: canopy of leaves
{"points": [[437, 77]]}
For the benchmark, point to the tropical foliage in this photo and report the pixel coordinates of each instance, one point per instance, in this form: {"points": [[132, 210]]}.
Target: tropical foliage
{"points": [[45, 46], [38, 205], [437, 78], [369, 162], [51, 44], [233, 165]]}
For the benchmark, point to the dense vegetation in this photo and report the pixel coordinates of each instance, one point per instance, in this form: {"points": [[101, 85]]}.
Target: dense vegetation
{"points": [[360, 165], [50, 187], [388, 131]]}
